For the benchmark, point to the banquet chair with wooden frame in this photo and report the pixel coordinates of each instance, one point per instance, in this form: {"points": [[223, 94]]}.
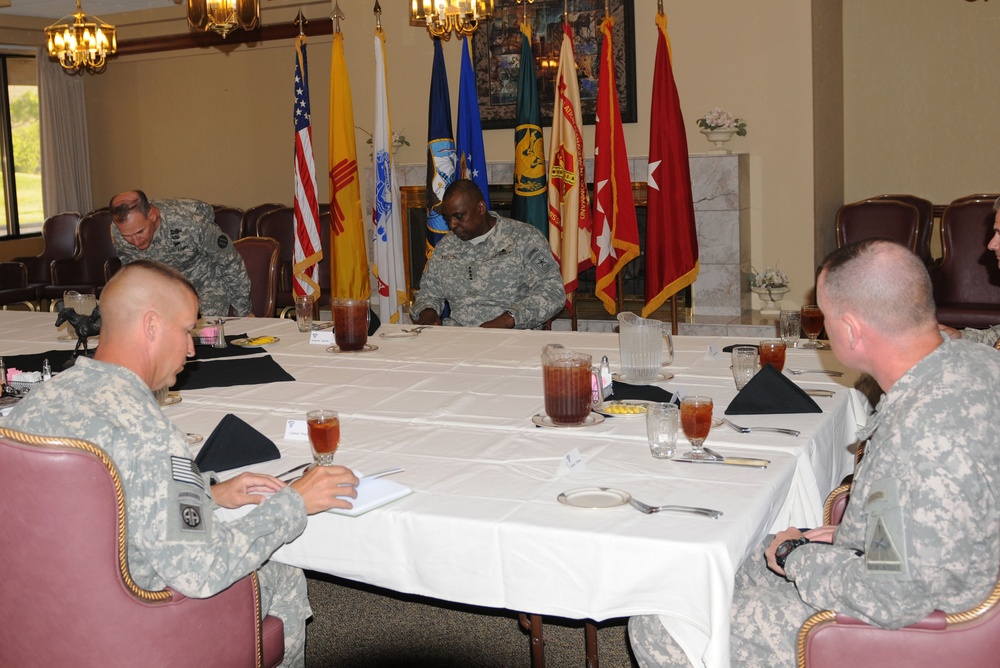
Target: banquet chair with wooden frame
{"points": [[890, 219], [967, 280], [60, 240], [84, 272], [14, 288], [260, 255], [926, 226], [230, 220], [253, 214], [279, 224], [829, 639], [69, 597]]}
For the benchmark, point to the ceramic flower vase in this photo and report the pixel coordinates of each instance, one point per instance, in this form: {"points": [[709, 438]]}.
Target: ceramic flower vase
{"points": [[770, 299], [719, 137]]}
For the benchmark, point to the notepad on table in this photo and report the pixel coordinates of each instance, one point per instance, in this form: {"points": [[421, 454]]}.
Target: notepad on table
{"points": [[373, 494]]}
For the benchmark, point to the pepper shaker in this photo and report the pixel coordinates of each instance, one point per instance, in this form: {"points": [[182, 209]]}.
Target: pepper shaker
{"points": [[220, 338]]}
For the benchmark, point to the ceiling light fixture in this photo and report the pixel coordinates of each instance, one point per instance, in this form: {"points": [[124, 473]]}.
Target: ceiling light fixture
{"points": [[223, 16], [83, 44]]}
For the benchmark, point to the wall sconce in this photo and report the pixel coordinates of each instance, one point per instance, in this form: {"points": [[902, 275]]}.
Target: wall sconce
{"points": [[223, 16], [441, 17], [83, 44]]}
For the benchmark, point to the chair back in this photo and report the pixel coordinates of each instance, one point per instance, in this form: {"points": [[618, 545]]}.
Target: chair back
{"points": [[260, 255], [967, 280], [230, 220], [60, 241], [86, 268], [69, 597], [279, 224], [253, 214], [890, 219], [926, 227]]}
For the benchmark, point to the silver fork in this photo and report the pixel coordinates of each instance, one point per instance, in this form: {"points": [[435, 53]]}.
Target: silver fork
{"points": [[416, 330], [750, 430], [799, 372], [650, 510]]}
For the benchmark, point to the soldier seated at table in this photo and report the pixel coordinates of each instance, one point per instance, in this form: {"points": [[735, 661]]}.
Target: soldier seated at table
{"points": [[914, 536], [182, 233], [149, 310], [491, 271]]}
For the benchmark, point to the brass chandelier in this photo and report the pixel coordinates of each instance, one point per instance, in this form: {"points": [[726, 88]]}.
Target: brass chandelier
{"points": [[223, 16], [442, 17], [83, 44]]}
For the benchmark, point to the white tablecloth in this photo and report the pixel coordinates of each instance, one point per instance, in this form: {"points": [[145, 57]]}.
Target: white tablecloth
{"points": [[483, 526]]}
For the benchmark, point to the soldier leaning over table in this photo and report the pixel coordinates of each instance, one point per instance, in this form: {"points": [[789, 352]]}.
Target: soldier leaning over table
{"points": [[149, 310], [492, 271], [917, 534], [182, 233], [990, 336]]}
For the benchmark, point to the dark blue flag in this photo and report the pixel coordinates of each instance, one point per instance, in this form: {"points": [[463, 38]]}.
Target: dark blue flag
{"points": [[441, 161], [469, 139]]}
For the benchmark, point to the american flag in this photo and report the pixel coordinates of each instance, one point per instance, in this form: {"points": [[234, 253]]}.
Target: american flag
{"points": [[308, 247]]}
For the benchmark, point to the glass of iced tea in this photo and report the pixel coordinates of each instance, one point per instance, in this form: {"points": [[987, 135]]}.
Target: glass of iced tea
{"points": [[324, 435], [772, 351], [812, 325], [350, 324], [696, 421]]}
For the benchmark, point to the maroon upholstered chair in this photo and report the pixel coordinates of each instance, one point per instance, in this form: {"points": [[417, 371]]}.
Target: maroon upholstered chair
{"points": [[59, 239], [85, 271], [69, 598], [14, 288], [230, 220], [280, 225], [831, 640], [260, 255], [890, 219], [253, 214], [967, 280], [926, 227]]}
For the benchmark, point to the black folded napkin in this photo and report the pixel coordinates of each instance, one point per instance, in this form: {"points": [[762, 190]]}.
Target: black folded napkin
{"points": [[227, 373], [771, 392], [210, 352], [374, 322], [729, 349], [33, 361], [621, 391], [233, 444]]}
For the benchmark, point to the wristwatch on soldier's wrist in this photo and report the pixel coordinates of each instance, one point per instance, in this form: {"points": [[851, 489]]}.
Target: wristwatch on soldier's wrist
{"points": [[785, 549]]}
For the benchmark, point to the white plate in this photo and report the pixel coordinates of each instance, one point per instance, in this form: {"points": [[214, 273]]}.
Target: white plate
{"points": [[543, 420], [248, 342], [367, 349], [171, 399], [660, 377], [194, 438], [399, 335], [594, 497], [603, 408]]}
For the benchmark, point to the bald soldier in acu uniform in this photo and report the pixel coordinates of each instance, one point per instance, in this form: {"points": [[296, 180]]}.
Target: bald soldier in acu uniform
{"points": [[182, 233]]}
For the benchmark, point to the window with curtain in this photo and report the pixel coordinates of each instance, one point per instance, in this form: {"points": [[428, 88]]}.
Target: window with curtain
{"points": [[20, 147]]}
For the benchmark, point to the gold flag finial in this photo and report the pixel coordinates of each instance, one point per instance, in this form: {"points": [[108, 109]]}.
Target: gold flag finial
{"points": [[301, 21], [378, 17], [659, 6], [337, 16]]}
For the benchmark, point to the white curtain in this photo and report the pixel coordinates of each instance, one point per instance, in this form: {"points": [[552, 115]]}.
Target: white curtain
{"points": [[65, 148]]}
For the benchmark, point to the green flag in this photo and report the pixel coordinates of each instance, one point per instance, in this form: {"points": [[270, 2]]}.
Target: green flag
{"points": [[530, 191]]}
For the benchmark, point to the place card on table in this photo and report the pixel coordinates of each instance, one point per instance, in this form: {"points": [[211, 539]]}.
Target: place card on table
{"points": [[323, 337], [297, 430], [572, 463]]}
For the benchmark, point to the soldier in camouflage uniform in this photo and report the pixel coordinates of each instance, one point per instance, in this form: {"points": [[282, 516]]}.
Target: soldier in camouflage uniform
{"points": [[919, 531], [182, 233], [491, 270], [990, 336], [148, 312]]}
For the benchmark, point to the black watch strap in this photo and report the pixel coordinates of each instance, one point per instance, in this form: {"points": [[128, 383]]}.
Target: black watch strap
{"points": [[785, 549]]}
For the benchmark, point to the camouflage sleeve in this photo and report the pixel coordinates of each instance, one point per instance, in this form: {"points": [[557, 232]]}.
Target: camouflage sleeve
{"points": [[988, 336], [232, 278], [432, 289], [545, 292]]}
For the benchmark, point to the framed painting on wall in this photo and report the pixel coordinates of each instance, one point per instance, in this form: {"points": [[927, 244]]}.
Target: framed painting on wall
{"points": [[496, 55]]}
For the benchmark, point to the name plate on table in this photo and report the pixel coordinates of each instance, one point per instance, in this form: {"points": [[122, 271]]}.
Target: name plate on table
{"points": [[322, 337], [297, 430]]}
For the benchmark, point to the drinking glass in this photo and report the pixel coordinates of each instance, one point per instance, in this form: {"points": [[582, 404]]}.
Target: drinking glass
{"points": [[304, 312], [772, 351], [812, 325], [661, 429], [790, 322], [324, 435], [744, 364], [350, 323], [696, 420]]}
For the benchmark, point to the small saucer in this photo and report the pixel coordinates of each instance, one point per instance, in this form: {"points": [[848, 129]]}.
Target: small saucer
{"points": [[594, 497], [624, 408], [171, 399], [252, 342], [367, 349], [660, 377], [194, 438], [543, 420], [399, 335]]}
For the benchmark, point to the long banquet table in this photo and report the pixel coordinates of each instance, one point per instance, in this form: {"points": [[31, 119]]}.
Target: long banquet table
{"points": [[483, 526]]}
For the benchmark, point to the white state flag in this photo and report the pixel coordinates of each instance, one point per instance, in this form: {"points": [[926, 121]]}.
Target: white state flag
{"points": [[387, 226]]}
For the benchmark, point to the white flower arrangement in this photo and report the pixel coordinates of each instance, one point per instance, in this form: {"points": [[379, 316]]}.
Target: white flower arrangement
{"points": [[771, 278], [719, 119]]}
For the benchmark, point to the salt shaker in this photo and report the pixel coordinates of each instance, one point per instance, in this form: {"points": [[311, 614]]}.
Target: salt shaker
{"points": [[3, 376], [46, 369], [606, 388], [220, 338]]}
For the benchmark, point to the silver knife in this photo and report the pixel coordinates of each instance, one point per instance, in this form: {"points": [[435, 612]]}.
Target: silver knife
{"points": [[292, 470], [820, 393], [728, 461], [372, 476]]}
